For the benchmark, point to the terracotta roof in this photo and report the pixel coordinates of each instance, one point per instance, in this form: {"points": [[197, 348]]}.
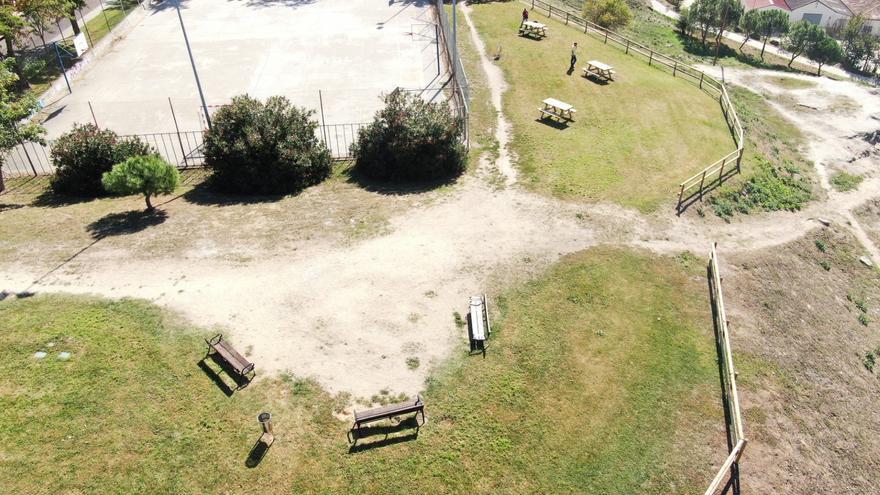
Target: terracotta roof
{"points": [[763, 4], [869, 8], [836, 5]]}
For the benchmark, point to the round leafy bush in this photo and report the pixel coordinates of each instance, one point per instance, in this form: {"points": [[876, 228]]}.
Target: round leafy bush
{"points": [[265, 148], [410, 140], [84, 154]]}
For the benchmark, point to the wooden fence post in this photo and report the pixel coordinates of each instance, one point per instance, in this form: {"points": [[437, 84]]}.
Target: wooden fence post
{"points": [[566, 18], [585, 26], [627, 46], [533, 4], [721, 172], [739, 158], [702, 180], [674, 68], [680, 195], [651, 57], [701, 79]]}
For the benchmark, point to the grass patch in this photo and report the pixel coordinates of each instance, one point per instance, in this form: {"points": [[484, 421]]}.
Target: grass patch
{"points": [[554, 408], [41, 67], [483, 119], [633, 140], [791, 82], [843, 181], [776, 175]]}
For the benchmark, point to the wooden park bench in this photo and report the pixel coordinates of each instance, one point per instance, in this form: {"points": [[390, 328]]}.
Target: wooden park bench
{"points": [[386, 412], [239, 363], [558, 109], [478, 320]]}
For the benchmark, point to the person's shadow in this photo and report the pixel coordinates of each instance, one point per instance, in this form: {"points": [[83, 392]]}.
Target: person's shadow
{"points": [[570, 70]]}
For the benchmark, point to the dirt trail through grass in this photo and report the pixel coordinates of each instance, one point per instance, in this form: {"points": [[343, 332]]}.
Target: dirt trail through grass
{"points": [[352, 314], [497, 87]]}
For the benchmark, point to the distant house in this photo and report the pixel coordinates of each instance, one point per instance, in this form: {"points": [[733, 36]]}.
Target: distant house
{"points": [[831, 14]]}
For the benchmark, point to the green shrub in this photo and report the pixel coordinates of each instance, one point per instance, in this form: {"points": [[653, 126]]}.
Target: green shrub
{"points": [[843, 181], [611, 14], [825, 265], [771, 188], [83, 155], [34, 69], [147, 175], [265, 148], [821, 246], [863, 319], [410, 140]]}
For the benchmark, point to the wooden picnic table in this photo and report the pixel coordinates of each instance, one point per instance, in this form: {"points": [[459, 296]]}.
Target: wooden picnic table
{"points": [[558, 109], [533, 27], [597, 68]]}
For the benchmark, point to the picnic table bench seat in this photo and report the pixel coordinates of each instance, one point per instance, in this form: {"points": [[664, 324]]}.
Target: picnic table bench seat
{"points": [[240, 364]]}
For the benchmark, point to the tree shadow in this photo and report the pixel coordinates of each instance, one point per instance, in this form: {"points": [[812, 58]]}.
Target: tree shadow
{"points": [[8, 207], [50, 199], [203, 194], [129, 222], [272, 3], [397, 188], [162, 5]]}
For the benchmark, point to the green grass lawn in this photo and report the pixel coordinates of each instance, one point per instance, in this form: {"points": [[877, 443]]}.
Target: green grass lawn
{"points": [[600, 378], [98, 27], [634, 140]]}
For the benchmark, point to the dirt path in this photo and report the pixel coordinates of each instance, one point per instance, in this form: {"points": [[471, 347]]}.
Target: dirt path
{"points": [[497, 87], [833, 115], [352, 315]]}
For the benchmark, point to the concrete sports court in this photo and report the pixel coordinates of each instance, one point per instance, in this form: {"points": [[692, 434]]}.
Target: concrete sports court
{"points": [[351, 50]]}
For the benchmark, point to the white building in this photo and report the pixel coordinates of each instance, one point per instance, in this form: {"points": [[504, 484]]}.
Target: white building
{"points": [[826, 13]]}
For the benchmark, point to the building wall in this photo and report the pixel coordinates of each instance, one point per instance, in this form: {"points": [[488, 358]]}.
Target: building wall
{"points": [[829, 17]]}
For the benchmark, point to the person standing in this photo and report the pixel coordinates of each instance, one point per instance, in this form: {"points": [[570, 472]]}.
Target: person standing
{"points": [[574, 58], [525, 16]]}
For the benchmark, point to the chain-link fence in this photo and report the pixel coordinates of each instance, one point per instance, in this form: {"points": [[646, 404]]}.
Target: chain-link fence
{"points": [[460, 92]]}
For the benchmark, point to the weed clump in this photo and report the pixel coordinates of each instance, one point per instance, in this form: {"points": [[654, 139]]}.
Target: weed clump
{"points": [[771, 188]]}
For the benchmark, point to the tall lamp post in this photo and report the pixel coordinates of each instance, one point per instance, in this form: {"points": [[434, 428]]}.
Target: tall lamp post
{"points": [[193, 62]]}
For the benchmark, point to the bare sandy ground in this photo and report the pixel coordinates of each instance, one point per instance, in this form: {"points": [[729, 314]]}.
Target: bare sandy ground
{"points": [[350, 315]]}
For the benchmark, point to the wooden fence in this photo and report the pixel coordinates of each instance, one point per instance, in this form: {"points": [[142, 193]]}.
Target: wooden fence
{"points": [[727, 477], [693, 188]]}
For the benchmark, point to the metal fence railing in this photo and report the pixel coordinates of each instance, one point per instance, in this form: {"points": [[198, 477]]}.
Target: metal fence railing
{"points": [[728, 474], [460, 90], [182, 149], [694, 187]]}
